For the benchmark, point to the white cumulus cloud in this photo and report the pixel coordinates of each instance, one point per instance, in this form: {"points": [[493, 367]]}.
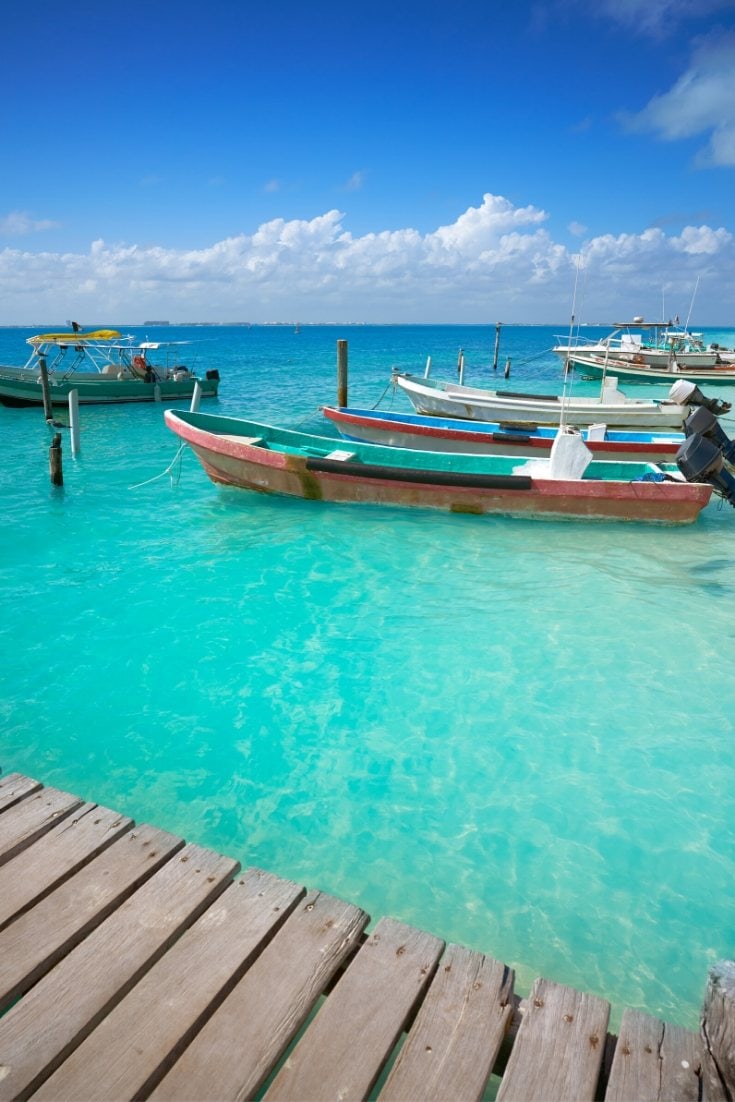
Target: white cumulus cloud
{"points": [[495, 258]]}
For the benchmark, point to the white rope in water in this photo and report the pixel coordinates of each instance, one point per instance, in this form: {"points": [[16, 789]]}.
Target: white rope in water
{"points": [[163, 474]]}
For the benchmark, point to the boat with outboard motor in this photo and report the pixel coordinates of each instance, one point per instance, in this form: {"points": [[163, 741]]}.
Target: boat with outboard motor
{"points": [[251, 455], [103, 367], [612, 407]]}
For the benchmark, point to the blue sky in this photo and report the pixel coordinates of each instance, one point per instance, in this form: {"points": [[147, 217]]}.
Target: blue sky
{"points": [[367, 162]]}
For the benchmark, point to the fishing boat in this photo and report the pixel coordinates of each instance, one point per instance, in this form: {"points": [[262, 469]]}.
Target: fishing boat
{"points": [[649, 351], [104, 368], [449, 434], [254, 456], [636, 370], [612, 407]]}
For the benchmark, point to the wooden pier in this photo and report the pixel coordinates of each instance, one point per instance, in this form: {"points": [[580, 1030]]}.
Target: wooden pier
{"points": [[134, 965]]}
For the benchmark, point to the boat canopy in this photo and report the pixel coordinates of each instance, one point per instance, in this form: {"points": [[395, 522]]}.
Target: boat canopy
{"points": [[75, 338]]}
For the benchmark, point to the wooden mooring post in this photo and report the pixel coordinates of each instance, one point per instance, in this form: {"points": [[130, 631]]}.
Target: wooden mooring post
{"points": [[45, 390], [498, 327], [54, 461], [341, 373]]}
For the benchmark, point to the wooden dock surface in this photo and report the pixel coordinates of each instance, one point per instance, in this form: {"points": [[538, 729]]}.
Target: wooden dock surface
{"points": [[134, 965]]}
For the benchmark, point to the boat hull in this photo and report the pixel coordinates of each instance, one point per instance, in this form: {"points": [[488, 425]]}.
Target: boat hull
{"points": [[19, 388], [488, 438], [478, 405], [717, 375], [247, 464]]}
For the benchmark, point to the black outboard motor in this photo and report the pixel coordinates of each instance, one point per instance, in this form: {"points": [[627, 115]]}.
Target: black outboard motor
{"points": [[701, 421], [700, 460], [688, 394]]}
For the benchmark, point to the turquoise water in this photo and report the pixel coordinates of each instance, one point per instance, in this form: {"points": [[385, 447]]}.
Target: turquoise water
{"points": [[515, 734]]}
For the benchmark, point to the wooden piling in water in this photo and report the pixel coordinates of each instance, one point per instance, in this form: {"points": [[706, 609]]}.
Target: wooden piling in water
{"points": [[45, 390], [341, 373], [506, 373], [498, 327], [54, 461]]}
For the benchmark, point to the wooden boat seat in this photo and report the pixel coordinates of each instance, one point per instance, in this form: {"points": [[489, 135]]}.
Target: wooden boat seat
{"points": [[322, 453], [340, 453], [251, 441]]}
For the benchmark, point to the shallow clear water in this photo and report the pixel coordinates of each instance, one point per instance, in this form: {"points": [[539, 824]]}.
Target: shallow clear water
{"points": [[514, 734]]}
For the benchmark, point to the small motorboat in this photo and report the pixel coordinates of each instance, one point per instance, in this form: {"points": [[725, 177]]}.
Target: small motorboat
{"points": [[255, 456], [104, 368]]}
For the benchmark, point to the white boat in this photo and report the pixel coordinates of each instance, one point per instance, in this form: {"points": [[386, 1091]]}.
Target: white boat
{"points": [[612, 407], [665, 346], [633, 371]]}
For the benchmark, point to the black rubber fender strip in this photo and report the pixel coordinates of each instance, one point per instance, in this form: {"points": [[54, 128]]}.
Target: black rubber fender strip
{"points": [[535, 397], [516, 437], [436, 478]]}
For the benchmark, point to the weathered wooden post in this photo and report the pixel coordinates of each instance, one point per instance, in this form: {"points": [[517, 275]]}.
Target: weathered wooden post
{"points": [[341, 373], [718, 1033], [460, 357], [461, 369], [74, 421], [54, 461], [506, 373], [498, 327], [45, 390]]}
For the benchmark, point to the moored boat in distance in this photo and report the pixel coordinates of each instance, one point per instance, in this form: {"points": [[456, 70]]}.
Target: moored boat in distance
{"points": [[104, 368], [450, 434], [612, 407], [254, 456], [635, 371], [649, 351]]}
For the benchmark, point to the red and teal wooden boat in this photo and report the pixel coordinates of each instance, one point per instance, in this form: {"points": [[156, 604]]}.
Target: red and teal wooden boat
{"points": [[254, 456]]}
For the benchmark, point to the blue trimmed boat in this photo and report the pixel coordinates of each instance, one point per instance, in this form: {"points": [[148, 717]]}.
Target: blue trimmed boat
{"points": [[450, 434]]}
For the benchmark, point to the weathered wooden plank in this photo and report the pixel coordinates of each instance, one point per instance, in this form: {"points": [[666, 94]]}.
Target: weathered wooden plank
{"points": [[58, 854], [654, 1062], [681, 1071], [32, 944], [453, 1044], [137, 1043], [345, 1048], [558, 1051], [40, 1030], [239, 1046], [15, 787], [31, 817]]}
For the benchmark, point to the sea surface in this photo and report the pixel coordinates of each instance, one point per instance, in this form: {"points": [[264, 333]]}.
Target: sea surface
{"points": [[515, 734]]}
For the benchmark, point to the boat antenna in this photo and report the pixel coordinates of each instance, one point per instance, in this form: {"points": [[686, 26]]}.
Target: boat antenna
{"points": [[567, 372], [691, 304]]}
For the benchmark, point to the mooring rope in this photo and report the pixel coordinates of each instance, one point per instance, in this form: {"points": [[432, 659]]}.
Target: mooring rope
{"points": [[163, 474]]}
